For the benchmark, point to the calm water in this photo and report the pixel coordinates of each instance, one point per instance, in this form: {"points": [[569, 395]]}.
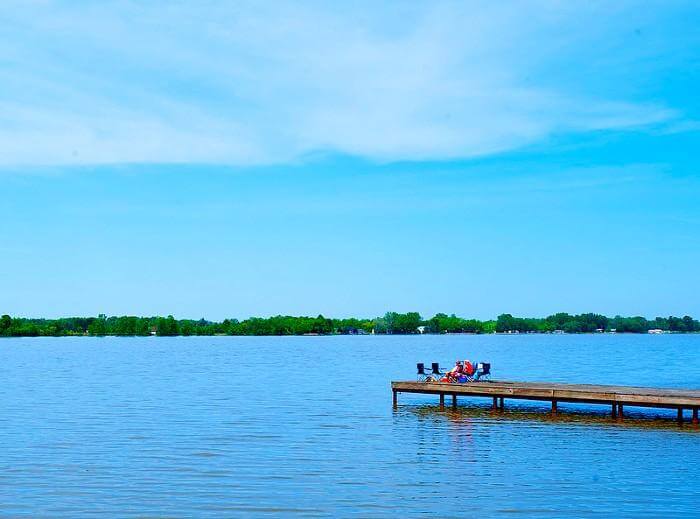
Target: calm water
{"points": [[219, 426]]}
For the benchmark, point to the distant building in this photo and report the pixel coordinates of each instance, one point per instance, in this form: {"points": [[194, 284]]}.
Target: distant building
{"points": [[350, 330]]}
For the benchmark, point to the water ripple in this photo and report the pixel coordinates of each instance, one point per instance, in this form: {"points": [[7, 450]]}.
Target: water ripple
{"points": [[193, 427]]}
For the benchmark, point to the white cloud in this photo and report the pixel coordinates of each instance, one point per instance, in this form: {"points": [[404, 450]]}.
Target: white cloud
{"points": [[116, 82]]}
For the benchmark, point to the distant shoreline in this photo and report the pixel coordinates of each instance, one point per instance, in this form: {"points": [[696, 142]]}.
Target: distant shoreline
{"points": [[156, 336], [391, 323]]}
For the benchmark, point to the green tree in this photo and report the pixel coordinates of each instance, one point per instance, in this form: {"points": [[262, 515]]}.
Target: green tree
{"points": [[5, 324], [403, 323], [98, 326], [322, 325], [166, 326]]}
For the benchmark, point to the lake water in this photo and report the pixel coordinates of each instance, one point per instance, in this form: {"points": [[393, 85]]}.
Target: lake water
{"points": [[229, 426]]}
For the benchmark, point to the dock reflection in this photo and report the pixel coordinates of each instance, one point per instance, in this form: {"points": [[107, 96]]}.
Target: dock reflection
{"points": [[465, 417]]}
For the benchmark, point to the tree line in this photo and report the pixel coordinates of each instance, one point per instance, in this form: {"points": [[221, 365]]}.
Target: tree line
{"points": [[390, 323], [587, 323]]}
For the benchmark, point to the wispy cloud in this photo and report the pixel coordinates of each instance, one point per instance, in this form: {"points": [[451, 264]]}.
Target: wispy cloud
{"points": [[242, 83]]}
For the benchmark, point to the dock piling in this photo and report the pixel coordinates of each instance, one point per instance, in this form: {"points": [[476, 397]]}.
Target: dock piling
{"points": [[442, 400], [680, 415], [554, 407], [501, 404], [695, 415], [620, 412], [395, 399], [494, 405], [614, 410], [454, 401]]}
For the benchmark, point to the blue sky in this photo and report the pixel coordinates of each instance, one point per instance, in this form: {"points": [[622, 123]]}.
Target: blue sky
{"points": [[227, 160]]}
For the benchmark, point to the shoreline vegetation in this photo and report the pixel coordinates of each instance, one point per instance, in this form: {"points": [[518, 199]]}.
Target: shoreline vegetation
{"points": [[391, 323]]}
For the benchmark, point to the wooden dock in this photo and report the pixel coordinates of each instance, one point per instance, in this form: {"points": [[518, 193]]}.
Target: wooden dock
{"points": [[617, 397]]}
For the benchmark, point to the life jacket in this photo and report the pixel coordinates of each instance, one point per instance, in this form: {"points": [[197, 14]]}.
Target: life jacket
{"points": [[468, 368]]}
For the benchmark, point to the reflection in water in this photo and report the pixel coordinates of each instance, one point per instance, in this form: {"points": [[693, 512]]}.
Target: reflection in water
{"points": [[471, 414]]}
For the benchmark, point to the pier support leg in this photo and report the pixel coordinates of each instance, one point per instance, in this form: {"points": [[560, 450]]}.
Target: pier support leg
{"points": [[695, 416], [620, 412], [680, 415], [554, 407], [501, 404], [395, 399], [614, 410], [442, 400], [454, 401], [494, 406]]}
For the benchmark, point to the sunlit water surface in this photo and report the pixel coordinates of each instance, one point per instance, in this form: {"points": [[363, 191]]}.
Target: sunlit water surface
{"points": [[226, 426]]}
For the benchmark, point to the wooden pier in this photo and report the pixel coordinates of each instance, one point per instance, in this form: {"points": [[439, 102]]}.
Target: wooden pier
{"points": [[617, 397]]}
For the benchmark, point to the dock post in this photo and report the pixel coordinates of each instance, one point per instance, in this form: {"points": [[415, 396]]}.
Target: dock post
{"points": [[454, 400], [695, 415], [494, 406], [620, 412], [554, 407], [680, 415], [614, 410], [501, 404], [395, 399], [442, 400]]}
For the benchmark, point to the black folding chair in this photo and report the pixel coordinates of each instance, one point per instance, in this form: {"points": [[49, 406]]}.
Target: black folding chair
{"points": [[483, 371], [422, 375], [436, 374]]}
